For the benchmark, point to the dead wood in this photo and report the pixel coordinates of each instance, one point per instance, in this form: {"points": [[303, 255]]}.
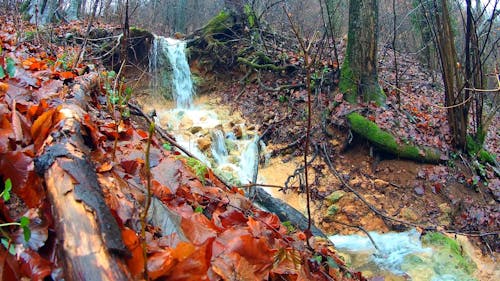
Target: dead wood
{"points": [[90, 245]]}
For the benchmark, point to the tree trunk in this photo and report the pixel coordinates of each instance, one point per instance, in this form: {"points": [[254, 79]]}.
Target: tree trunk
{"points": [[457, 111], [73, 11], [359, 71], [42, 11]]}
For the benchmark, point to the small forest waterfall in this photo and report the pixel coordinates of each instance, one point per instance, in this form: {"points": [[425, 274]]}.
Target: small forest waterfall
{"points": [[231, 149], [223, 144]]}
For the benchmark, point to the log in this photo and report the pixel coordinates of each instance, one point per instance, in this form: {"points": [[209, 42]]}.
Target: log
{"points": [[90, 242], [284, 211]]}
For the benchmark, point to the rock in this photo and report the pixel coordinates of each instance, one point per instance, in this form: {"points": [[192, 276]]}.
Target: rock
{"points": [[335, 196], [195, 129], [332, 210], [251, 128], [380, 183], [356, 181], [409, 214], [204, 143], [238, 132]]}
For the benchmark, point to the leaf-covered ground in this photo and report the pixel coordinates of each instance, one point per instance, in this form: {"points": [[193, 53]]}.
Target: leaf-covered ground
{"points": [[213, 231]]}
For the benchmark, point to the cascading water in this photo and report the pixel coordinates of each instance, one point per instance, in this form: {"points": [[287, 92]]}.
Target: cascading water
{"points": [[180, 78], [249, 162], [219, 150]]}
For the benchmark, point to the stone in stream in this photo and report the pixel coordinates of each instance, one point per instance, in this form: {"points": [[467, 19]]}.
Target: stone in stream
{"points": [[195, 129], [204, 143], [238, 132]]}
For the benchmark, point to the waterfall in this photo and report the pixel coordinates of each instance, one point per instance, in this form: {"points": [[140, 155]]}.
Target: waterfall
{"points": [[182, 84], [219, 150], [249, 162]]}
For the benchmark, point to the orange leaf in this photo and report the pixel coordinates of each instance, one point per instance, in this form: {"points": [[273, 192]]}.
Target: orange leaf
{"points": [[3, 87], [106, 167], [66, 75], [136, 262]]}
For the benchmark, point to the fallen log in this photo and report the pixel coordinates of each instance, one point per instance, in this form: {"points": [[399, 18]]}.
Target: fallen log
{"points": [[90, 242], [387, 142], [284, 211]]}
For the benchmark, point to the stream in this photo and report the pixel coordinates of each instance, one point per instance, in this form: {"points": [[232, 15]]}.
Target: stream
{"points": [[229, 145]]}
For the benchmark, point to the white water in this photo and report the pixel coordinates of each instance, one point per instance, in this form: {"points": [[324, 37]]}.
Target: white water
{"points": [[241, 157], [401, 254], [182, 84]]}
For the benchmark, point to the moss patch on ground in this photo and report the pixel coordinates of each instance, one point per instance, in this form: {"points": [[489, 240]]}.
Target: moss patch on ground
{"points": [[387, 142]]}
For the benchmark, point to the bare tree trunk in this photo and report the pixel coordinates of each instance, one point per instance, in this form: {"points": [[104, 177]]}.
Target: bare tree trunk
{"points": [[454, 98]]}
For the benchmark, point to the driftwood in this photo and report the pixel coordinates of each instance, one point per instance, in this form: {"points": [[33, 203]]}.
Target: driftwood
{"points": [[90, 246]]}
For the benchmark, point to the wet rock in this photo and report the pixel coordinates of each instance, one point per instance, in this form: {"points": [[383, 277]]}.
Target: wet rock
{"points": [[204, 143], [195, 129], [380, 183], [335, 196], [238, 132]]}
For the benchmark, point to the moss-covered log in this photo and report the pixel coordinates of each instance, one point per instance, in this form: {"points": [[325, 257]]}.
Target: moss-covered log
{"points": [[387, 142], [267, 66]]}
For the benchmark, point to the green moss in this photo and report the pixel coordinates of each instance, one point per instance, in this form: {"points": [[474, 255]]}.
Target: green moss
{"points": [[449, 250], [199, 169], [372, 132], [332, 210], [218, 24], [335, 196], [261, 66], [387, 142], [347, 84]]}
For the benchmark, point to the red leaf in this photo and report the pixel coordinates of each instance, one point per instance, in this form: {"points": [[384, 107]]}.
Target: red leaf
{"points": [[25, 183], [198, 228], [34, 266]]}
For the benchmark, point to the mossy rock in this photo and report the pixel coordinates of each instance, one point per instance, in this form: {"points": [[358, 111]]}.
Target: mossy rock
{"points": [[451, 251], [332, 210], [387, 142], [335, 196]]}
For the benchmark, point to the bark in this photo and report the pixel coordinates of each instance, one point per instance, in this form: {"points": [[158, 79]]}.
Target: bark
{"points": [[457, 112], [90, 245], [73, 11], [42, 11], [359, 75]]}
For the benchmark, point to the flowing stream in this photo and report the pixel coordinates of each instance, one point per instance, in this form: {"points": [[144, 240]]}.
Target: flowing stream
{"points": [[230, 146]]}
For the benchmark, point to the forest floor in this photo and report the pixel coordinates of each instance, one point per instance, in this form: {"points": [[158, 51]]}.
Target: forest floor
{"points": [[38, 81]]}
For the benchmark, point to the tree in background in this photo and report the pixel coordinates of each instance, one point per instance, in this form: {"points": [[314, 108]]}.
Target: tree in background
{"points": [[359, 77]]}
